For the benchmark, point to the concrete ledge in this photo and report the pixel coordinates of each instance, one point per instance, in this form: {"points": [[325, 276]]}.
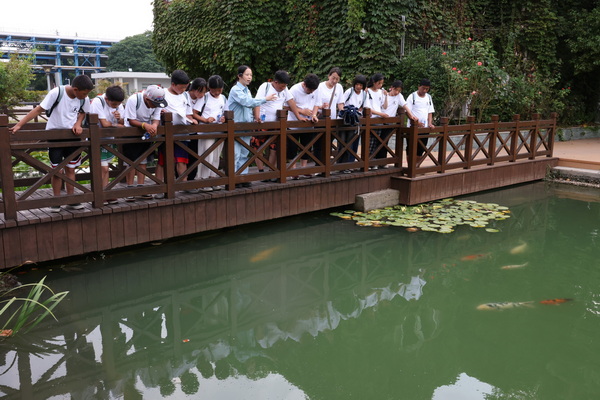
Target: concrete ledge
{"points": [[577, 173], [374, 200]]}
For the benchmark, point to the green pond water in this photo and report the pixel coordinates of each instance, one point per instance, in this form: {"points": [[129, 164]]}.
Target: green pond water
{"points": [[315, 307]]}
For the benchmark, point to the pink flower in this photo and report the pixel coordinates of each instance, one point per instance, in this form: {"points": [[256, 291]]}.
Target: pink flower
{"points": [[469, 39], [459, 71], [453, 68], [479, 63], [466, 78], [444, 53]]}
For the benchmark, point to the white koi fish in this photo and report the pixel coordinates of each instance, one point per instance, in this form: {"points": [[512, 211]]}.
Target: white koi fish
{"points": [[519, 249], [504, 305], [514, 266]]}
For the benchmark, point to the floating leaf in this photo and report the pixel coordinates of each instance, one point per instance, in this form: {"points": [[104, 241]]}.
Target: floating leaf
{"points": [[491, 230]]}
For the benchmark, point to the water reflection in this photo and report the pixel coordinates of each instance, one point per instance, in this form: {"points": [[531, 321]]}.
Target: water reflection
{"points": [[312, 307]]}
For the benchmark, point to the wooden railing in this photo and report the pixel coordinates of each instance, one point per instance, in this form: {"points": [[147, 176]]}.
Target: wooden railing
{"points": [[448, 147]]}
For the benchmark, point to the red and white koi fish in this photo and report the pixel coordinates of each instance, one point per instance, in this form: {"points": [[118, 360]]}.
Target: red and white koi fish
{"points": [[514, 266], [555, 301], [504, 305]]}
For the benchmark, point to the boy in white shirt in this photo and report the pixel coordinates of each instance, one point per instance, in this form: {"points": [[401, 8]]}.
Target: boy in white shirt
{"points": [[66, 107], [110, 112], [142, 111], [421, 105]]}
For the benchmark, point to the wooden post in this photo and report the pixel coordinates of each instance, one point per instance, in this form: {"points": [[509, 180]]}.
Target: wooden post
{"points": [[469, 143], [411, 153], [514, 138], [399, 140], [551, 135], [169, 167], [493, 139], [230, 150], [366, 139], [534, 136], [443, 147], [282, 148], [95, 163], [326, 142], [6, 172]]}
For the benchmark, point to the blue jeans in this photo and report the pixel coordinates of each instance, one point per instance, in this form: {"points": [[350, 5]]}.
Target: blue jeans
{"points": [[241, 154]]}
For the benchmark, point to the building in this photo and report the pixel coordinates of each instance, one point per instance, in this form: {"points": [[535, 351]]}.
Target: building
{"points": [[133, 82]]}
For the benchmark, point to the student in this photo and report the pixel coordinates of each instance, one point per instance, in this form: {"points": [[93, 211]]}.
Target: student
{"points": [[110, 112], [331, 92], [267, 112], [376, 101], [142, 111], [395, 100], [180, 105], [421, 106], [307, 102], [355, 96], [196, 91], [242, 104], [68, 106], [212, 112]]}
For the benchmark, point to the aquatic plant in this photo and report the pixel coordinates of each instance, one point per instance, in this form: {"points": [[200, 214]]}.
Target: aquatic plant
{"points": [[440, 216], [30, 310]]}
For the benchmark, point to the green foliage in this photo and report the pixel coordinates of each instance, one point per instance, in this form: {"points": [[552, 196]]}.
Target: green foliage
{"points": [[14, 78], [27, 312], [134, 52], [584, 40]]}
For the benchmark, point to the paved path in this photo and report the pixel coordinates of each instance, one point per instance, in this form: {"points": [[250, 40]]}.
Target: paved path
{"points": [[582, 153]]}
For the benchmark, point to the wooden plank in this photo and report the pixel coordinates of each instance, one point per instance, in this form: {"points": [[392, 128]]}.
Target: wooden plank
{"points": [[104, 237], [293, 200], [229, 217], [75, 236], [154, 224], [211, 214], [246, 209], [3, 263], [276, 202], [118, 230], [28, 239], [60, 239], [130, 229], [200, 215], [12, 248], [284, 199], [178, 220], [143, 225], [89, 235], [166, 218]]}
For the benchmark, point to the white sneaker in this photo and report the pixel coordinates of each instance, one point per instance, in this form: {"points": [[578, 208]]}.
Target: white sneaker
{"points": [[76, 206], [55, 209]]}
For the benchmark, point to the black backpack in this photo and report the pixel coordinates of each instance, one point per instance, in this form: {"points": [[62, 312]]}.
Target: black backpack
{"points": [[61, 91]]}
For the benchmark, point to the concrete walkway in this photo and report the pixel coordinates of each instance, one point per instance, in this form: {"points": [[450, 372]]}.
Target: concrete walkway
{"points": [[583, 153]]}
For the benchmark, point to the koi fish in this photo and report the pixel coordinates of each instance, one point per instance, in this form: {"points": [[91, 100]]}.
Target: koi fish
{"points": [[262, 255], [555, 301], [519, 249], [472, 257], [504, 305], [514, 266]]}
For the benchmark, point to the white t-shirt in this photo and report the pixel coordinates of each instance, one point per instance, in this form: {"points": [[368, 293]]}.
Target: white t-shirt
{"points": [[269, 109], [393, 103], [214, 107], [198, 103], [105, 111], [325, 97], [140, 113], [180, 105], [421, 107], [66, 111], [302, 99], [375, 101], [354, 99]]}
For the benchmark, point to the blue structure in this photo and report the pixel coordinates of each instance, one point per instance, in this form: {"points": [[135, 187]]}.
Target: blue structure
{"points": [[60, 57]]}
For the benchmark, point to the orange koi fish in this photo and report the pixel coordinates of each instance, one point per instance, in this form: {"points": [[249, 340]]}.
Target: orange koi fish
{"points": [[504, 305], [555, 301], [262, 255], [472, 257]]}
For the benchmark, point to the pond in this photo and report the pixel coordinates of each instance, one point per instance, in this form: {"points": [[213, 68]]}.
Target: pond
{"points": [[316, 307]]}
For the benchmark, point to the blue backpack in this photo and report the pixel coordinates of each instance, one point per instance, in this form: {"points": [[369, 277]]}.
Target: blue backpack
{"points": [[350, 115]]}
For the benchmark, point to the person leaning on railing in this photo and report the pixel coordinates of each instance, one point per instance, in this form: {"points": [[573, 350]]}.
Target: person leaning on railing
{"points": [[66, 107], [421, 105]]}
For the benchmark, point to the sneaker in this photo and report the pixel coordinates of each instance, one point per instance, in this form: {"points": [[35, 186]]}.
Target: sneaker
{"points": [[129, 198], [76, 206], [307, 176], [193, 191], [55, 209], [146, 197], [159, 196], [112, 201], [246, 184], [207, 189], [346, 171], [218, 187]]}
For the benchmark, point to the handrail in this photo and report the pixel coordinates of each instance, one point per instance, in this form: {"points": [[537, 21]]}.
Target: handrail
{"points": [[449, 147]]}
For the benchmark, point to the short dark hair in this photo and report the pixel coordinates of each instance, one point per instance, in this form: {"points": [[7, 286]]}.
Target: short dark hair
{"points": [[398, 84], [198, 84], [376, 77], [179, 77], [425, 82], [359, 79], [215, 82], [82, 82], [311, 81], [115, 93], [335, 70], [282, 76]]}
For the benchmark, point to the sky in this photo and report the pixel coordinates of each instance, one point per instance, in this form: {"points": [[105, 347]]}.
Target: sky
{"points": [[103, 19]]}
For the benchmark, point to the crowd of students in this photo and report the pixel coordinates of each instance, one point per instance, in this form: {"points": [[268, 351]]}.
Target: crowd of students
{"points": [[201, 101]]}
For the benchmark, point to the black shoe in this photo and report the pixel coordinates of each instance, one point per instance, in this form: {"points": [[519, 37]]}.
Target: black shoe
{"points": [[246, 184]]}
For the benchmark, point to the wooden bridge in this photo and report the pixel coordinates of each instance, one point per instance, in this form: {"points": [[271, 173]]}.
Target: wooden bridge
{"points": [[457, 159]]}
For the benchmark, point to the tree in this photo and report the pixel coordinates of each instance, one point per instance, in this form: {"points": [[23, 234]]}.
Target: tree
{"points": [[134, 52], [15, 76]]}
